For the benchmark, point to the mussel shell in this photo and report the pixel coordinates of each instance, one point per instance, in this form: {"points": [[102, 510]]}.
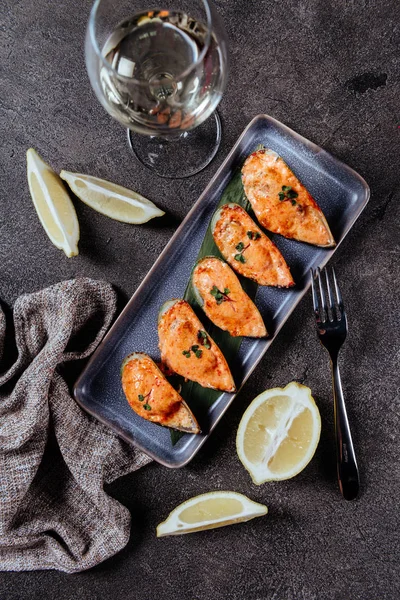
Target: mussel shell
{"points": [[197, 295], [166, 306], [141, 355], [217, 215]]}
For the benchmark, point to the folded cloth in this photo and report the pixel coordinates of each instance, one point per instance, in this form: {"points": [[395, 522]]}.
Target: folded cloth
{"points": [[54, 458]]}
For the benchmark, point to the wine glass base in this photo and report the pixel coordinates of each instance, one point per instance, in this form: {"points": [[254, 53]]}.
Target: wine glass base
{"points": [[181, 156]]}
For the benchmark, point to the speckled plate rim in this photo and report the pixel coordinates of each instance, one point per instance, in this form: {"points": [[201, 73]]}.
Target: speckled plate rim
{"points": [[321, 263]]}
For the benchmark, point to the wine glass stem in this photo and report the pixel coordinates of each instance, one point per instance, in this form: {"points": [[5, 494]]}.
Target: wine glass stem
{"points": [[194, 151]]}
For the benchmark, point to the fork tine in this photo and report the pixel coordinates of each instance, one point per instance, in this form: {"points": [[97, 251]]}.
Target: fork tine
{"points": [[337, 292], [331, 307], [314, 291], [324, 308]]}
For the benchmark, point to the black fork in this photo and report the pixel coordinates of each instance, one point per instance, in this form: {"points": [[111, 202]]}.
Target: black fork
{"points": [[332, 330]]}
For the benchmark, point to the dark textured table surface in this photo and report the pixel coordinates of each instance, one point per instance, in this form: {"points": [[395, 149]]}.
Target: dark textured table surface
{"points": [[331, 71]]}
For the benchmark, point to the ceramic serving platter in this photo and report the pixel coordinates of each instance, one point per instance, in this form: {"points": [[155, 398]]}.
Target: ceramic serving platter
{"points": [[341, 193]]}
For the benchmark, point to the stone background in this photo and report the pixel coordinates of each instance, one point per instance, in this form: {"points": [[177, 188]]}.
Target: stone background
{"points": [[331, 71]]}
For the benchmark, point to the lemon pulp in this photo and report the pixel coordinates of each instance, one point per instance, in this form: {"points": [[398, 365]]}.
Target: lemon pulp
{"points": [[279, 433]]}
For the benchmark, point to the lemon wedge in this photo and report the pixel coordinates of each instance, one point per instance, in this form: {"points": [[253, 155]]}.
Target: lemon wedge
{"points": [[208, 511], [279, 433], [111, 199], [52, 203]]}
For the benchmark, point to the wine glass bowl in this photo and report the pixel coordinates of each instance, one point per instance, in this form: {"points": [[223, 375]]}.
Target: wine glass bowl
{"points": [[160, 72]]}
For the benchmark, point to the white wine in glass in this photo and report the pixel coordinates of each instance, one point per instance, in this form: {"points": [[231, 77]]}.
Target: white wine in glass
{"points": [[161, 72]]}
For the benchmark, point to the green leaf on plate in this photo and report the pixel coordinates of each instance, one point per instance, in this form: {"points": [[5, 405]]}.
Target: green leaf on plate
{"points": [[195, 395]]}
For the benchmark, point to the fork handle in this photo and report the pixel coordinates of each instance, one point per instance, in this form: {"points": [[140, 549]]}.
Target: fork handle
{"points": [[347, 469]]}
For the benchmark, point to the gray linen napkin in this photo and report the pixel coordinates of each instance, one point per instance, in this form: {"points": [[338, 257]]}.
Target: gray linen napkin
{"points": [[54, 458]]}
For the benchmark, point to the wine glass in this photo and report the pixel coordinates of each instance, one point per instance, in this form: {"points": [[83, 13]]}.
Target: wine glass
{"points": [[161, 72]]}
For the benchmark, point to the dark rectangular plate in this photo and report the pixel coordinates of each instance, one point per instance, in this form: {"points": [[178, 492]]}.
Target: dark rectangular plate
{"points": [[342, 195]]}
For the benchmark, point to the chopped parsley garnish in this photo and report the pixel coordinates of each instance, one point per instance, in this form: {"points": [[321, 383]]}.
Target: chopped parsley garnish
{"points": [[288, 193], [253, 235], [241, 248], [220, 296], [142, 398], [203, 339]]}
